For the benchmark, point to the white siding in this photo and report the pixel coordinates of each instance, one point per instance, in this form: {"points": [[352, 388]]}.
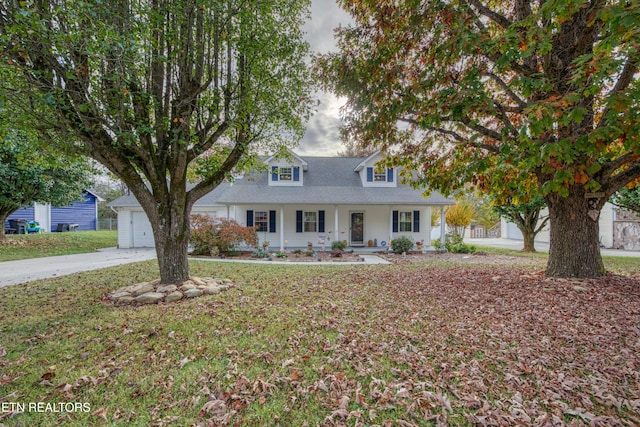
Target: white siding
{"points": [[377, 224], [124, 229], [134, 229]]}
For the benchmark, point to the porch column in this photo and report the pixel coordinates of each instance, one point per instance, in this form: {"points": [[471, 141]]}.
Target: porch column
{"points": [[427, 226], [390, 227], [281, 228], [336, 226], [443, 228]]}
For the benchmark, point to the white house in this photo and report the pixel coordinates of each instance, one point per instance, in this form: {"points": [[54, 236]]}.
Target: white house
{"points": [[311, 199], [134, 228]]}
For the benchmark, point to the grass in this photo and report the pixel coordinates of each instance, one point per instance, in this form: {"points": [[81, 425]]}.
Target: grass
{"points": [[321, 345], [615, 264], [26, 246]]}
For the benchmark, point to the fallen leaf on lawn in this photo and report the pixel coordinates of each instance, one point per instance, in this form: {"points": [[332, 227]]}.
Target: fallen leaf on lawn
{"points": [[102, 413], [215, 407], [185, 361]]}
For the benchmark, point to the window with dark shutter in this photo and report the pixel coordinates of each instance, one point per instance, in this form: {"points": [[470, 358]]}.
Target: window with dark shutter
{"points": [[298, 221], [272, 221]]}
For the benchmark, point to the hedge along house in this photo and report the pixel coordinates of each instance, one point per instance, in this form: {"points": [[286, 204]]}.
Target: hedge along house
{"points": [[82, 212], [319, 200]]}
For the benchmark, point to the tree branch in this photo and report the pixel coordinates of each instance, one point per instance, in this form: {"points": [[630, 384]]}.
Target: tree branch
{"points": [[624, 80], [494, 16], [521, 103]]}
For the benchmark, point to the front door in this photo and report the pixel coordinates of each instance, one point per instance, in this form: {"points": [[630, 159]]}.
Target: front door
{"points": [[357, 229]]}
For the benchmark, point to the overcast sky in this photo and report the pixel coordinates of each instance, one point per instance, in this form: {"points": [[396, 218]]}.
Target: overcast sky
{"points": [[322, 137]]}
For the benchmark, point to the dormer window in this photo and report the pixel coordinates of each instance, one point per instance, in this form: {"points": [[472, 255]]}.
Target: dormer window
{"points": [[379, 174], [285, 174], [286, 169]]}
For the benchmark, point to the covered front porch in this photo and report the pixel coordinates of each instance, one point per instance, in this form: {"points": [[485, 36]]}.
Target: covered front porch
{"points": [[359, 227]]}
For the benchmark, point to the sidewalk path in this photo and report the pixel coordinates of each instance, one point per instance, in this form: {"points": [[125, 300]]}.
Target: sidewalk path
{"points": [[26, 270], [15, 272]]}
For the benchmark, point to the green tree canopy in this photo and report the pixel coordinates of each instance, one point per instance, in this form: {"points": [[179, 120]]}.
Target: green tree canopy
{"points": [[628, 198], [151, 87], [29, 174], [458, 88]]}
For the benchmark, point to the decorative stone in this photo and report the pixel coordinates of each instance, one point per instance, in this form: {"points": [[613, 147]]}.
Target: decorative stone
{"points": [[167, 288], [154, 292], [142, 288], [193, 293], [150, 298], [211, 290], [198, 282], [120, 294], [174, 296]]}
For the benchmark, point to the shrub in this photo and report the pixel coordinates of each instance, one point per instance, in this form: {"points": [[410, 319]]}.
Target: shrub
{"points": [[281, 255], [260, 253], [338, 244], [225, 234], [309, 253], [454, 244], [402, 244]]}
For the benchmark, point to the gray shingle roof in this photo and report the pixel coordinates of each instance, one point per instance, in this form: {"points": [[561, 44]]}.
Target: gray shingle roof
{"points": [[129, 200], [328, 180]]}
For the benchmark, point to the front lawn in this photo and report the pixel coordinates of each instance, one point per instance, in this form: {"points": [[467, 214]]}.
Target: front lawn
{"points": [[25, 246], [417, 344]]}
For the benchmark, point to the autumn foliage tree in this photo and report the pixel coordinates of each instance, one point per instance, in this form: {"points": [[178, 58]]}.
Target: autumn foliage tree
{"points": [[210, 235], [459, 217], [151, 86], [458, 87]]}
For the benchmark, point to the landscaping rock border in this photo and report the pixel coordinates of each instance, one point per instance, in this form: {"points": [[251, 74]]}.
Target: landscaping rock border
{"points": [[155, 292]]}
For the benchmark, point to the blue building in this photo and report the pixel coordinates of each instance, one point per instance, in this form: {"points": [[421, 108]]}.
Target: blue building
{"points": [[82, 212]]}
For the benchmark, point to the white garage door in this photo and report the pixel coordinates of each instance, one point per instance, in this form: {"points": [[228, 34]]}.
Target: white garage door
{"points": [[142, 233]]}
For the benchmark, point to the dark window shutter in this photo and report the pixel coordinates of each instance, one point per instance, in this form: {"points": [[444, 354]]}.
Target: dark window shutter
{"points": [[416, 221], [274, 173], [272, 221], [369, 174], [296, 173], [320, 221], [249, 218], [390, 175], [298, 221], [395, 221]]}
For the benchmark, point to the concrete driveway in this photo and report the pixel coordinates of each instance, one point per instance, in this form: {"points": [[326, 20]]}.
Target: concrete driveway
{"points": [[16, 272], [26, 270]]}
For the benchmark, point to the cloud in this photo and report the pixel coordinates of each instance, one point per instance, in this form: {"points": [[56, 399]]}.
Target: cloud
{"points": [[322, 137]]}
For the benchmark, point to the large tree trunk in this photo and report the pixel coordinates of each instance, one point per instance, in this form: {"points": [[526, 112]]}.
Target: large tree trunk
{"points": [[169, 217], [575, 244], [529, 240], [171, 248]]}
